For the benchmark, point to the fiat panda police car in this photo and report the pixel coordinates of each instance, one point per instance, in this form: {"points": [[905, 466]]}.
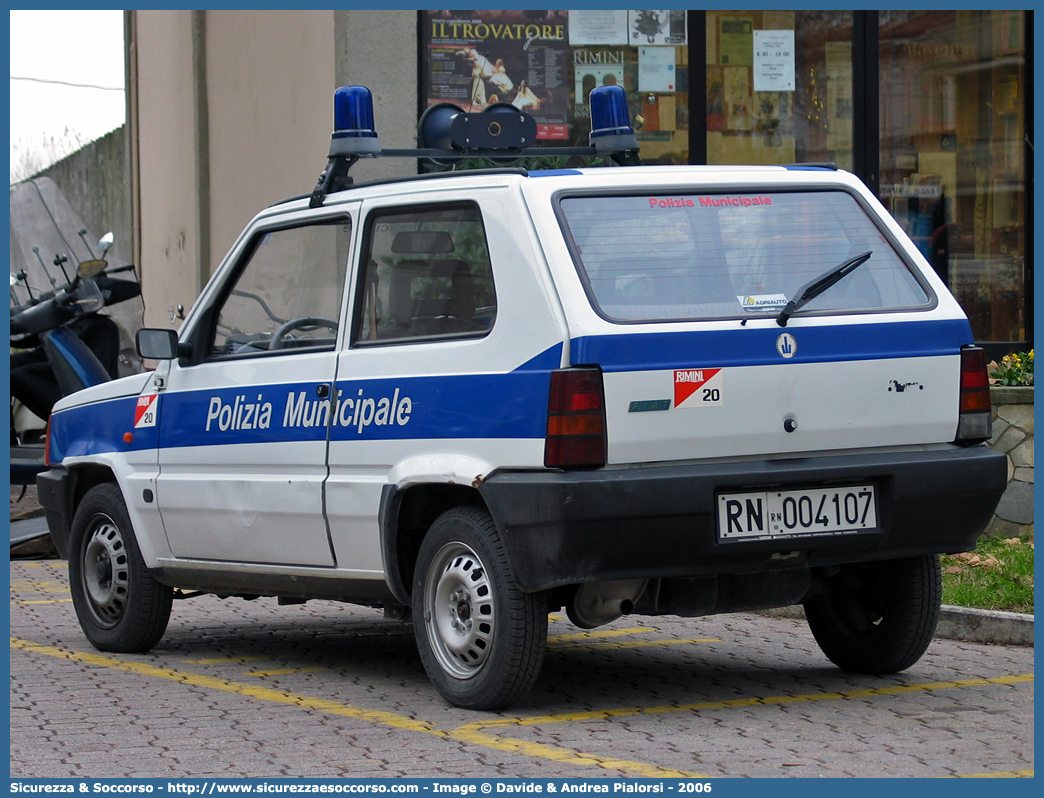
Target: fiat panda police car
{"points": [[471, 398]]}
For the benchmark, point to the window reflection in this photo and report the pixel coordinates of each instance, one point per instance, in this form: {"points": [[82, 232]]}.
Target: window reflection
{"points": [[952, 157]]}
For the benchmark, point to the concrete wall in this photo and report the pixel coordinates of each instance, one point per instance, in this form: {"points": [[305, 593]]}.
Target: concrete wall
{"points": [[364, 58], [270, 79], [232, 111], [166, 161], [95, 180]]}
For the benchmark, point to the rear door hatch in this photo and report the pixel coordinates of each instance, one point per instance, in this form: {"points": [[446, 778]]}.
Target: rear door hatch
{"points": [[687, 290]]}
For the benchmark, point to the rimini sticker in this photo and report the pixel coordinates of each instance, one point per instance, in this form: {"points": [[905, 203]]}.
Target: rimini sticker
{"points": [[786, 345], [145, 411], [698, 387]]}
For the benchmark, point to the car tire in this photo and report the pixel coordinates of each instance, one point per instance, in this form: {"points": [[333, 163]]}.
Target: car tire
{"points": [[120, 605], [481, 639], [879, 617]]}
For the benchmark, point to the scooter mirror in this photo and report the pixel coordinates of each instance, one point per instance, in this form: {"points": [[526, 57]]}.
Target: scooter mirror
{"points": [[105, 242], [90, 268]]}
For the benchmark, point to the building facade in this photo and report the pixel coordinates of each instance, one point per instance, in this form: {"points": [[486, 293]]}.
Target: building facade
{"points": [[230, 111]]}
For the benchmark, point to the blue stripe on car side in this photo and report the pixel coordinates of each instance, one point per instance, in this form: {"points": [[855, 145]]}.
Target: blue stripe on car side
{"points": [[512, 405], [98, 427], [748, 346]]}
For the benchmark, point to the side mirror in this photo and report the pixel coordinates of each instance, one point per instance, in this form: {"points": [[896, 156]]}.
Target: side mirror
{"points": [[90, 268], [156, 344], [105, 242]]}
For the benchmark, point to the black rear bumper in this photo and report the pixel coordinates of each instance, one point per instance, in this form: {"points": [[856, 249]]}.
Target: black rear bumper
{"points": [[54, 492], [660, 520]]}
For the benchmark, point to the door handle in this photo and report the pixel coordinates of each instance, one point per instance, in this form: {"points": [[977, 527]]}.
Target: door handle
{"points": [[322, 391]]}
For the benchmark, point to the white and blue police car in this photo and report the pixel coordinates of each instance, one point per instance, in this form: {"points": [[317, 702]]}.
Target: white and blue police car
{"points": [[471, 398]]}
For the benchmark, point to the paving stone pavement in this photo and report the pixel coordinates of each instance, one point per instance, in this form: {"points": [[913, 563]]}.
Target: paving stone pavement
{"points": [[322, 689]]}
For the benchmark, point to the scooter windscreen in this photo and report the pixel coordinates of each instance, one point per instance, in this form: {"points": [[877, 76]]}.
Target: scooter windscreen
{"points": [[49, 240]]}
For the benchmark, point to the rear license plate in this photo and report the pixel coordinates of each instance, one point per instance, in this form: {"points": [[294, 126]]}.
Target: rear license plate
{"points": [[777, 514]]}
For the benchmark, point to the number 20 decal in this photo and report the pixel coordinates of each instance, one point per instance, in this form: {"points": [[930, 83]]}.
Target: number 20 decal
{"points": [[699, 387], [145, 411]]}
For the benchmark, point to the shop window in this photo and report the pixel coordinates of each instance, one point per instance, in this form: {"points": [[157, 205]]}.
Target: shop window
{"points": [[779, 87], [547, 62], [953, 127]]}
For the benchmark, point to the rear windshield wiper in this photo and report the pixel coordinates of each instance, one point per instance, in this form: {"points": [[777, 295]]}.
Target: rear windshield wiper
{"points": [[810, 291]]}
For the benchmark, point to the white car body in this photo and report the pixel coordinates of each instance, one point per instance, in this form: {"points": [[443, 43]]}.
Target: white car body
{"points": [[241, 476]]}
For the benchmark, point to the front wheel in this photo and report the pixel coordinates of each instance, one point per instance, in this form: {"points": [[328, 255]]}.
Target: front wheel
{"points": [[120, 605], [879, 617], [481, 639]]}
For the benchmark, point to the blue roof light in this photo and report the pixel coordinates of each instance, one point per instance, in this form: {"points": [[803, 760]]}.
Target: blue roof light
{"points": [[611, 131], [609, 114], [354, 132]]}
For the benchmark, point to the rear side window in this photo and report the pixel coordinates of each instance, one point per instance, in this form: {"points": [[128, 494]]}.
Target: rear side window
{"points": [[427, 276], [698, 256]]}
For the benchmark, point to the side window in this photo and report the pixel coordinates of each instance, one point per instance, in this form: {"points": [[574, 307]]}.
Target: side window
{"points": [[288, 296], [427, 275]]}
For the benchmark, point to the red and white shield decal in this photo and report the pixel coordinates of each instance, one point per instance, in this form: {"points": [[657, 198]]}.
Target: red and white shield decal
{"points": [[698, 387], [145, 411]]}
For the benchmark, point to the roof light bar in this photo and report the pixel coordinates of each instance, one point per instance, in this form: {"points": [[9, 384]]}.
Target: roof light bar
{"points": [[499, 134]]}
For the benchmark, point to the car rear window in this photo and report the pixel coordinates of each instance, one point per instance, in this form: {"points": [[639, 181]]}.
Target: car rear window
{"points": [[712, 255]]}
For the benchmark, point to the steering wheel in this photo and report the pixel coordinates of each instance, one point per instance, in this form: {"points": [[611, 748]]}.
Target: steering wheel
{"points": [[308, 322]]}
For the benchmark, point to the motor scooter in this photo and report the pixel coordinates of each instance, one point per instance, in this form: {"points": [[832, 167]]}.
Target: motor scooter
{"points": [[61, 338], [57, 335]]}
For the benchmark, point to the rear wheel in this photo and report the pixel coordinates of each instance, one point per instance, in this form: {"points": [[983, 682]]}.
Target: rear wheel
{"points": [[879, 617], [120, 605], [481, 639]]}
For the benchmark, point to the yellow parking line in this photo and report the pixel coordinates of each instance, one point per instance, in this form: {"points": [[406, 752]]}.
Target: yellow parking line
{"points": [[473, 733], [21, 602], [621, 644], [236, 660], [1006, 774], [46, 564], [606, 714], [38, 586], [568, 756], [285, 671], [390, 719], [568, 638]]}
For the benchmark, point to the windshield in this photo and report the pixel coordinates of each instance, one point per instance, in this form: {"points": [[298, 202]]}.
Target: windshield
{"points": [[697, 256]]}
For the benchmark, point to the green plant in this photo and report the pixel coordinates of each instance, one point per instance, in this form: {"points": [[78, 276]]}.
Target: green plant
{"points": [[998, 575], [1014, 369]]}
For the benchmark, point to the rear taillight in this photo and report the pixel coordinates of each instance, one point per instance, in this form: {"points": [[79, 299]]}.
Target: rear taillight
{"points": [[47, 444], [575, 420], [974, 423]]}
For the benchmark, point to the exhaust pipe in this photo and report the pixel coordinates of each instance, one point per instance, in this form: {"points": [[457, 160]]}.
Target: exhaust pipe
{"points": [[598, 603]]}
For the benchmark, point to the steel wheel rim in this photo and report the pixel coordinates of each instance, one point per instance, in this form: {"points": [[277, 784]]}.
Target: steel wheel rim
{"points": [[459, 610], [106, 570]]}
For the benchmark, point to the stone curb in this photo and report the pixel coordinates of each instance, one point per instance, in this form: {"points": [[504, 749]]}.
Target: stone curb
{"points": [[962, 623], [986, 626]]}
